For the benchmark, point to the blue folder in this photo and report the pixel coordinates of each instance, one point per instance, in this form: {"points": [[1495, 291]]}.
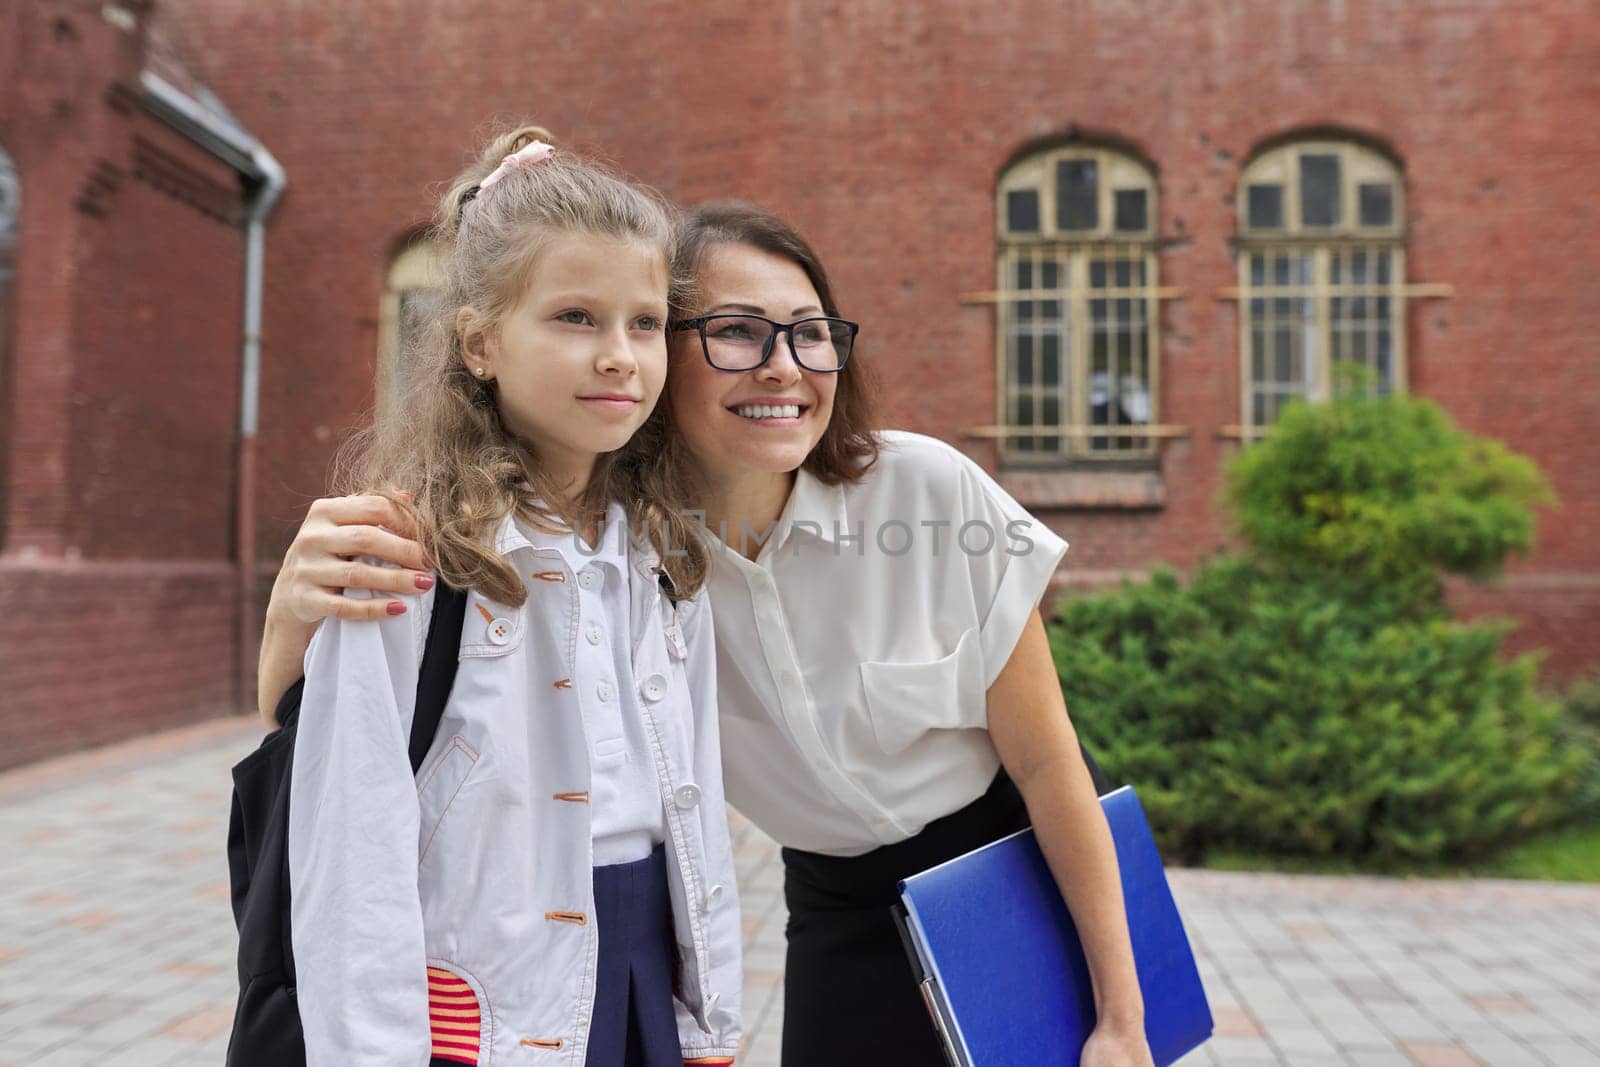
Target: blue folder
{"points": [[1001, 966]]}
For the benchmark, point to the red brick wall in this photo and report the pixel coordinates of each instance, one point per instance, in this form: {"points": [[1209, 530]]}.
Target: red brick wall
{"points": [[96, 652], [116, 602], [880, 128], [154, 411]]}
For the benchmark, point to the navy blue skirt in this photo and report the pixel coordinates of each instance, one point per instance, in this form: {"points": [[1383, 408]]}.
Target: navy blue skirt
{"points": [[635, 1023]]}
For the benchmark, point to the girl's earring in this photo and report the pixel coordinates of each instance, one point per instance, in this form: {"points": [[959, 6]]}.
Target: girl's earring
{"points": [[478, 371]]}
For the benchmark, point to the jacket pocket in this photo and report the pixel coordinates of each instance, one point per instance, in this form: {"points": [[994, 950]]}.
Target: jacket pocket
{"points": [[438, 785], [906, 700]]}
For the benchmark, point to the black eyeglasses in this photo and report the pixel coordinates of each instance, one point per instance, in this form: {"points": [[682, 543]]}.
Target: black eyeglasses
{"points": [[745, 342]]}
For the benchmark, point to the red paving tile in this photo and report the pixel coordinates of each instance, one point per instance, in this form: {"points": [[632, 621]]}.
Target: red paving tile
{"points": [[1501, 1003], [198, 970], [1234, 1022], [188, 855], [202, 1025], [1426, 1054]]}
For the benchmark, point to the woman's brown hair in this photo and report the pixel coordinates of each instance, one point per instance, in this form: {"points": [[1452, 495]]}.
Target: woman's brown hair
{"points": [[849, 446], [445, 440]]}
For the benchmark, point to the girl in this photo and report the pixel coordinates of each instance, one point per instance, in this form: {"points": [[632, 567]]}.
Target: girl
{"points": [[556, 884], [888, 696]]}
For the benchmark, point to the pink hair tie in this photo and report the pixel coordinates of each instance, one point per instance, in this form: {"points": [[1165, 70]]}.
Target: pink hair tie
{"points": [[525, 157]]}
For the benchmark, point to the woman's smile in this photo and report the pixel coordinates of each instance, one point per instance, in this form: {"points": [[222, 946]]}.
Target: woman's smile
{"points": [[777, 411]]}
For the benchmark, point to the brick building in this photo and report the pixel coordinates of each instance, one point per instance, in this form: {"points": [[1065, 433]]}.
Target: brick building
{"points": [[121, 280], [1097, 244]]}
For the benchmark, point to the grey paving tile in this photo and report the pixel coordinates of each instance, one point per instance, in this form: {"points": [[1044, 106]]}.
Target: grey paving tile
{"points": [[118, 927]]}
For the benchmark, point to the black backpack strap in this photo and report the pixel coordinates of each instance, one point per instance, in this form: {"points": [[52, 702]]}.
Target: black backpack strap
{"points": [[287, 712], [440, 657]]}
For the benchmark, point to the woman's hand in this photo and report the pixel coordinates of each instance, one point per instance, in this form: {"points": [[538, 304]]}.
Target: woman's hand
{"points": [[319, 565], [1114, 1045]]}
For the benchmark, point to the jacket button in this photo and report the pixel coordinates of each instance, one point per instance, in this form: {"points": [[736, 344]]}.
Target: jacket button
{"points": [[654, 688], [686, 796], [713, 896], [499, 632]]}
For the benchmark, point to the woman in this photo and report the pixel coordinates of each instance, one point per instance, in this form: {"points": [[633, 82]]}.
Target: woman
{"points": [[888, 697]]}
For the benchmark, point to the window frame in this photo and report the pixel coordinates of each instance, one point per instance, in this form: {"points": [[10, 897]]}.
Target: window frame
{"points": [[10, 242], [416, 267], [1073, 251], [1359, 165]]}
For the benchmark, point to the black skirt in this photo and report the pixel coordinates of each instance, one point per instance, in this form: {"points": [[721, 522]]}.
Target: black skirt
{"points": [[850, 998]]}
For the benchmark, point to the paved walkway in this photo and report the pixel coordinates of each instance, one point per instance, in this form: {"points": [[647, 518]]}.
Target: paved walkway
{"points": [[116, 942]]}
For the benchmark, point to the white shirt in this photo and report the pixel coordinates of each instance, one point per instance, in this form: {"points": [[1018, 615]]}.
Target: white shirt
{"points": [[855, 652], [629, 820]]}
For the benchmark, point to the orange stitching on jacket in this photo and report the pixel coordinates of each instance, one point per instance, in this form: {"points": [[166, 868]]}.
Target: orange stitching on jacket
{"points": [[576, 798], [550, 576], [455, 742], [488, 616], [542, 1042], [577, 918], [563, 683]]}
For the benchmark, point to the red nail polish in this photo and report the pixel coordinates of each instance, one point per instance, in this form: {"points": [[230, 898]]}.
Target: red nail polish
{"points": [[424, 581], [396, 608]]}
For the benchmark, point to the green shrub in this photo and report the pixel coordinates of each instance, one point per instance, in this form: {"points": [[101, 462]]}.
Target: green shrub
{"points": [[1385, 488], [1255, 710], [1313, 697], [1582, 704]]}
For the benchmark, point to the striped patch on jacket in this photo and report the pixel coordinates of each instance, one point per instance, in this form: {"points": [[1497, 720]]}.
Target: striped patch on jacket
{"points": [[453, 1017]]}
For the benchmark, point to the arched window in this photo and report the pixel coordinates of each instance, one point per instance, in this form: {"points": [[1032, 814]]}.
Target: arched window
{"points": [[1076, 273], [410, 297], [1321, 274], [10, 212]]}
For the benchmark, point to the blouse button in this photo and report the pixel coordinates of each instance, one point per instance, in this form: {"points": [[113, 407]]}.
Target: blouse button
{"points": [[499, 632], [603, 691], [588, 579], [594, 635], [686, 796], [654, 688], [714, 895]]}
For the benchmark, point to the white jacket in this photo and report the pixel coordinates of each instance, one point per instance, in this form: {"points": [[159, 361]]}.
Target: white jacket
{"points": [[471, 883]]}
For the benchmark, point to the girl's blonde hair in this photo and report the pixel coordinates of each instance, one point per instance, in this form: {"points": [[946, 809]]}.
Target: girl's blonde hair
{"points": [[445, 441]]}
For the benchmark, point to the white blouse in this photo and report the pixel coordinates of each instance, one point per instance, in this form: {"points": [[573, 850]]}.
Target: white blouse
{"points": [[628, 820], [854, 653]]}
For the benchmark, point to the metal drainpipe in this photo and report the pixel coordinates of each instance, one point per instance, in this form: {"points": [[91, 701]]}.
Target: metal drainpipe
{"points": [[249, 408], [250, 158]]}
